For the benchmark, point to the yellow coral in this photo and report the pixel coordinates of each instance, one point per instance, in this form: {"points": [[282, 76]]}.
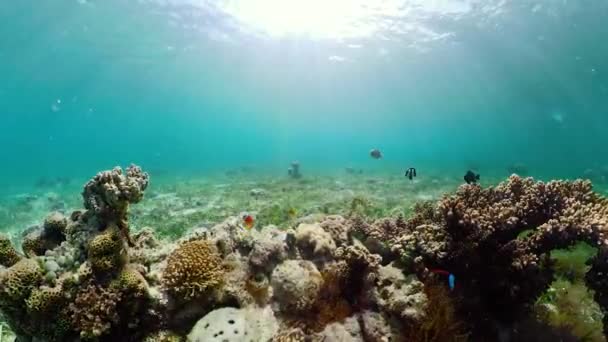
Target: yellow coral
{"points": [[8, 254], [193, 268], [44, 300], [131, 281], [106, 250], [20, 279]]}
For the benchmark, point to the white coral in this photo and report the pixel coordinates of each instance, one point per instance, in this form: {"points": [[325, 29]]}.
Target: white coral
{"points": [[235, 325]]}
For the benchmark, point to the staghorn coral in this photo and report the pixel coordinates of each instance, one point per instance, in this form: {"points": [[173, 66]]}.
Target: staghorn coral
{"points": [[94, 311], [192, 269], [109, 194], [8, 254]]}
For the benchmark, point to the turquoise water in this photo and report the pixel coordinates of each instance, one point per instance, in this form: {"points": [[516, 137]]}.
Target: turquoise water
{"points": [[194, 86]]}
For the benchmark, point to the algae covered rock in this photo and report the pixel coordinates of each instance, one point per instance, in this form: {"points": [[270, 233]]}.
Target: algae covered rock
{"points": [[314, 242], [235, 325], [192, 269], [398, 295], [296, 284]]}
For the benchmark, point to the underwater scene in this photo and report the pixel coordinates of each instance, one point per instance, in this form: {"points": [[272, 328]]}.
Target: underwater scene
{"points": [[304, 170]]}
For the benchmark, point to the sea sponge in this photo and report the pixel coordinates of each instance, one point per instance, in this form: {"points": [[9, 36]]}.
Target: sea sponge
{"points": [[94, 311], [106, 250], [192, 269], [19, 281], [8, 254], [296, 285]]}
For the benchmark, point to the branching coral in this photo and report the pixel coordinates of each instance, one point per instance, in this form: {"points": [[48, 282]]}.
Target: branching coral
{"points": [[475, 236], [94, 311], [192, 269], [109, 194]]}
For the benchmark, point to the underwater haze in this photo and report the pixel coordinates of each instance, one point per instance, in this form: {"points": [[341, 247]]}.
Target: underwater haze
{"points": [[195, 86], [303, 170]]}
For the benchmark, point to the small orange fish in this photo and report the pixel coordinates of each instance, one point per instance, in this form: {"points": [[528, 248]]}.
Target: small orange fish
{"points": [[248, 221]]}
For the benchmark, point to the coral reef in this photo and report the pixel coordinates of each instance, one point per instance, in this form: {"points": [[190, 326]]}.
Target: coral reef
{"points": [[475, 235], [86, 276]]}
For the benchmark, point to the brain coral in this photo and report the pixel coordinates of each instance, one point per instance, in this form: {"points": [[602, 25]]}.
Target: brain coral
{"points": [[8, 254], [193, 268]]}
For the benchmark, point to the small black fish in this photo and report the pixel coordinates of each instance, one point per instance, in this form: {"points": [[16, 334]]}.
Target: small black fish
{"points": [[375, 153], [471, 177], [410, 173]]}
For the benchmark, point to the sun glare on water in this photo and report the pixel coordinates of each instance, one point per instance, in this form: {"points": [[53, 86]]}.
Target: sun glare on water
{"points": [[310, 18]]}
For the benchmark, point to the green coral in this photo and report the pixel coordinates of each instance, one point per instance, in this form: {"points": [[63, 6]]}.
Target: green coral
{"points": [[106, 251], [192, 269], [8, 254]]}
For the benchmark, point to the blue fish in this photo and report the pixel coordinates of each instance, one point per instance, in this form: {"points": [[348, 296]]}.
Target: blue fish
{"points": [[451, 281]]}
